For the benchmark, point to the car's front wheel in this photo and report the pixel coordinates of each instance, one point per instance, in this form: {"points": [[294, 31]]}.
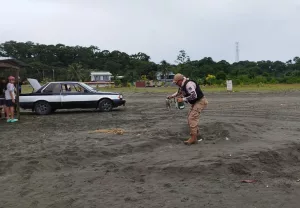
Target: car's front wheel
{"points": [[105, 105], [42, 108]]}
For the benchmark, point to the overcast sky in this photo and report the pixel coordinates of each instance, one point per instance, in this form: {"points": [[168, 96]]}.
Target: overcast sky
{"points": [[265, 29]]}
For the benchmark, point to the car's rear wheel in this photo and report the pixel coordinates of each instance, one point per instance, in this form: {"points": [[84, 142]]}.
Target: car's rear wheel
{"points": [[42, 108], [105, 105]]}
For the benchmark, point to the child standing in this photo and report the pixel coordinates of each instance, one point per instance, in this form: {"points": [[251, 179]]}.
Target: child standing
{"points": [[10, 99]]}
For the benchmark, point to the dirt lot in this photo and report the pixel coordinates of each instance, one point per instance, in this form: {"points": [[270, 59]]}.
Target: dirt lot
{"points": [[53, 161]]}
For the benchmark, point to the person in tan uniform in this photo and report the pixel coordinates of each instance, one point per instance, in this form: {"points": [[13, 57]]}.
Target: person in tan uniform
{"points": [[190, 92]]}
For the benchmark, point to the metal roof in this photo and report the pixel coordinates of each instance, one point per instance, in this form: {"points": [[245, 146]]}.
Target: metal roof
{"points": [[12, 61], [101, 73], [4, 58]]}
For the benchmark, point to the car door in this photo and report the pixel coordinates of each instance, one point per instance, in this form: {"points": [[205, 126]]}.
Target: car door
{"points": [[52, 94], [74, 96]]}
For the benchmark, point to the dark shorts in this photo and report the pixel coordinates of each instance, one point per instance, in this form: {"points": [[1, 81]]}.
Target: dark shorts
{"points": [[9, 103]]}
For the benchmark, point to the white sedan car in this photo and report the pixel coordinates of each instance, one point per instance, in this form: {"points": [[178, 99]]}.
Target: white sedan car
{"points": [[68, 95]]}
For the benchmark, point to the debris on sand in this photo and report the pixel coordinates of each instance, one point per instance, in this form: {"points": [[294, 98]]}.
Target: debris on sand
{"points": [[298, 180], [248, 181], [184, 199], [109, 131]]}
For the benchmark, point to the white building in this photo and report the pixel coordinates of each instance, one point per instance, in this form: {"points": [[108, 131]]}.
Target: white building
{"points": [[101, 76], [169, 77]]}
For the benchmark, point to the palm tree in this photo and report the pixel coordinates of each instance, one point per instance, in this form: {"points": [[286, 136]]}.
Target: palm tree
{"points": [[164, 68], [75, 72]]}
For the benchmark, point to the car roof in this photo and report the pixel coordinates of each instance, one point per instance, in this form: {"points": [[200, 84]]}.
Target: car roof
{"points": [[70, 82]]}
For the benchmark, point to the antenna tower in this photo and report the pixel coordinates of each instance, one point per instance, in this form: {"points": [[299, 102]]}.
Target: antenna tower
{"points": [[237, 52]]}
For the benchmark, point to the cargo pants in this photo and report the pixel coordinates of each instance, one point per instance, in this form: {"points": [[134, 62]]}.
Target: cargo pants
{"points": [[194, 115]]}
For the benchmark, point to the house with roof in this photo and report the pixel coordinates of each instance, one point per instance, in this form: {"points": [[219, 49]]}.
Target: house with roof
{"points": [[167, 78], [101, 76]]}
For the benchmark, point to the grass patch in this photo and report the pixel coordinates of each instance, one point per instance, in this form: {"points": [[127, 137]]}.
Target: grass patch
{"points": [[26, 89], [244, 88]]}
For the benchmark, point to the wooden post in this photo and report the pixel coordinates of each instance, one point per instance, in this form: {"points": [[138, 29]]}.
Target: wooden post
{"points": [[18, 94]]}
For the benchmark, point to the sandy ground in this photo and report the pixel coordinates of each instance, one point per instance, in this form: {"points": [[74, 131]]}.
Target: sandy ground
{"points": [[53, 162]]}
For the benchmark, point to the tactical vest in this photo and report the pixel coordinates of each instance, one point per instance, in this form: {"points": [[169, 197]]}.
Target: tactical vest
{"points": [[199, 92]]}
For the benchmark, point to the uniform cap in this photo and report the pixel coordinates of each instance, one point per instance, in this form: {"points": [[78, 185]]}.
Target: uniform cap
{"points": [[178, 77]]}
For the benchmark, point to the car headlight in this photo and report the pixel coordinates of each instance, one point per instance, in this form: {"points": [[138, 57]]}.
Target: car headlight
{"points": [[120, 96]]}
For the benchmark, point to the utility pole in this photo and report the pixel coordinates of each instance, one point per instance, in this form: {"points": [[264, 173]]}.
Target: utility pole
{"points": [[53, 75], [237, 52]]}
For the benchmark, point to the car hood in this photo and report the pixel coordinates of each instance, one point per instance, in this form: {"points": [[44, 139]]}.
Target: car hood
{"points": [[107, 93], [34, 84]]}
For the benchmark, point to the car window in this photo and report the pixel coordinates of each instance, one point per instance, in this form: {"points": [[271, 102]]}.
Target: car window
{"points": [[72, 88], [52, 88], [88, 87], [56, 88]]}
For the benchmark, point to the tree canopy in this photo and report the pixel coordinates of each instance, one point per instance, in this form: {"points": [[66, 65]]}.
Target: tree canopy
{"points": [[76, 63]]}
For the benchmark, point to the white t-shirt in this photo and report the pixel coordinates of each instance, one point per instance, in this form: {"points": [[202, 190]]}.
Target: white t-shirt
{"points": [[10, 88]]}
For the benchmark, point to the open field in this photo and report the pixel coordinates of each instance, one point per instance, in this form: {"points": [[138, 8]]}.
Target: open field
{"points": [[55, 162], [244, 88]]}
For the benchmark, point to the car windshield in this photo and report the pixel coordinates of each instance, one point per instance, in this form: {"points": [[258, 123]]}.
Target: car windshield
{"points": [[87, 87]]}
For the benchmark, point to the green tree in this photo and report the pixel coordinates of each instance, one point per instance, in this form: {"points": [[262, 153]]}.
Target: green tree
{"points": [[221, 75], [182, 57], [76, 62], [75, 72], [164, 68]]}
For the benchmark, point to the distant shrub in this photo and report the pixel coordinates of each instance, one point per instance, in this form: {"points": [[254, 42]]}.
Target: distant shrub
{"points": [[273, 81], [118, 82], [211, 79], [200, 81], [260, 84], [260, 79]]}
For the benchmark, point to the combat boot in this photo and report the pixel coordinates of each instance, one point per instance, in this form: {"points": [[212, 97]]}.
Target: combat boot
{"points": [[192, 140]]}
